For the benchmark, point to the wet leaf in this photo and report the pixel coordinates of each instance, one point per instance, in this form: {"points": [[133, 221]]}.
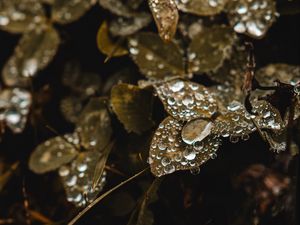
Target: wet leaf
{"points": [[133, 107], [94, 125], [185, 100], [117, 7], [201, 7], [142, 214], [289, 74], [54, 153], [77, 178], [209, 48], [251, 17], [166, 17], [67, 11], [169, 153], [106, 45], [14, 108], [123, 26], [33, 53], [17, 15], [196, 130], [156, 59], [71, 107]]}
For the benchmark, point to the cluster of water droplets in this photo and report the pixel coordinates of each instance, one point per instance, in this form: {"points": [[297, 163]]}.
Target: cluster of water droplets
{"points": [[185, 100], [77, 178], [14, 107], [252, 17], [166, 16], [169, 153]]}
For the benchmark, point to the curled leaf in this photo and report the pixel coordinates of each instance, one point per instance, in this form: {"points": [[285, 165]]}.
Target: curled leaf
{"points": [[166, 17], [54, 153], [209, 48], [201, 7], [117, 7], [132, 106], [169, 153], [185, 100], [156, 59], [33, 53], [106, 45]]}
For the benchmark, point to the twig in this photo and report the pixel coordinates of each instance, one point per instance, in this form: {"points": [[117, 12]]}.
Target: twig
{"points": [[26, 203], [97, 200]]}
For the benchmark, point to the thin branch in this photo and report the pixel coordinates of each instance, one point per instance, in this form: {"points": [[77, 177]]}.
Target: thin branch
{"points": [[97, 200]]}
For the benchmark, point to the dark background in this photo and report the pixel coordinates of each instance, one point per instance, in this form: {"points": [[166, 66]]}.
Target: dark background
{"points": [[213, 199]]}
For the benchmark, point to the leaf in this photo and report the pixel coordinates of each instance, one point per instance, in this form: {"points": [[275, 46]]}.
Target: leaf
{"points": [[127, 26], [286, 73], [101, 197], [117, 7], [71, 107], [54, 153], [142, 215], [235, 122], [94, 125], [83, 83], [156, 59], [17, 15], [196, 130], [121, 203], [166, 17], [168, 152], [105, 44], [100, 165], [209, 48], [14, 108], [185, 100], [251, 17], [68, 11], [202, 7], [133, 107], [33, 53], [77, 178]]}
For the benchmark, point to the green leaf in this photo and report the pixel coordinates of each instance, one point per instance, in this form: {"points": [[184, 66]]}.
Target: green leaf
{"points": [[209, 48], [133, 107], [166, 17], [155, 58], [202, 7], [33, 53]]}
